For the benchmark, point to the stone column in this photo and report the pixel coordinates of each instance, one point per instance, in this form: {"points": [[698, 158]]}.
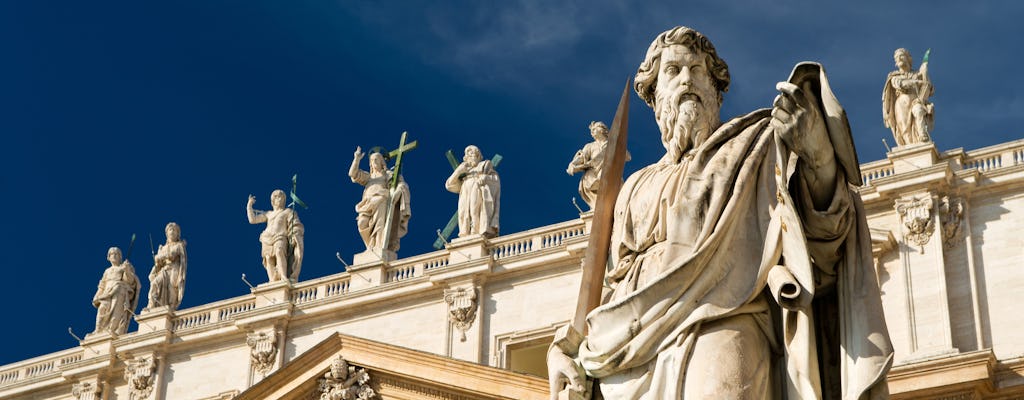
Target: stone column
{"points": [[921, 256]]}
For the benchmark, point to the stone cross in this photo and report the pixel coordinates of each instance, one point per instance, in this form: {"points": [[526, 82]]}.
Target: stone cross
{"points": [[397, 155], [454, 221]]}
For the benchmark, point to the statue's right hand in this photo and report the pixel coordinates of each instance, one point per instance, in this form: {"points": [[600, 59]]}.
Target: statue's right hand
{"points": [[358, 155], [252, 199], [562, 373]]}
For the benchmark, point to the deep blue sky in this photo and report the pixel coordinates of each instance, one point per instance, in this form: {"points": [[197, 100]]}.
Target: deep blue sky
{"points": [[120, 116]]}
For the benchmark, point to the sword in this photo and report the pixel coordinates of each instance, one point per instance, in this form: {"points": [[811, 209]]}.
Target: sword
{"points": [[595, 257]]}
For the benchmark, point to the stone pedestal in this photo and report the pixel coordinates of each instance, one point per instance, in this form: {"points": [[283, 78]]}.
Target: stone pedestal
{"points": [[271, 293], [373, 256], [156, 319], [467, 248], [913, 157]]}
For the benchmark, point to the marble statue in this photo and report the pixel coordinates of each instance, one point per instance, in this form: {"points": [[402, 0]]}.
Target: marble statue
{"points": [[378, 199], [116, 296], [476, 181], [761, 201], [905, 106], [282, 240], [590, 160], [167, 278]]}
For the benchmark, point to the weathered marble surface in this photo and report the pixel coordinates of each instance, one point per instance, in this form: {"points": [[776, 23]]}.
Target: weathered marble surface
{"points": [[699, 235], [117, 295], [167, 278], [479, 188], [590, 161], [282, 239], [378, 199], [905, 106]]}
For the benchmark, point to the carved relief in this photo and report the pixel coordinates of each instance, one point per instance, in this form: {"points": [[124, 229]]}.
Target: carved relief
{"points": [[916, 214], [86, 391], [461, 308], [343, 382], [140, 373], [951, 212], [262, 350]]}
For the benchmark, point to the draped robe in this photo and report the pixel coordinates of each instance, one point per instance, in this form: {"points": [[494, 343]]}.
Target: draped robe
{"points": [[727, 232]]}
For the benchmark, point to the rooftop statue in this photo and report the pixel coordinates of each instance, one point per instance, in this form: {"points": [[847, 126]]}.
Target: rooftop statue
{"points": [[476, 181], [116, 296], [590, 161], [167, 278], [905, 106], [282, 240], [761, 201], [379, 198]]}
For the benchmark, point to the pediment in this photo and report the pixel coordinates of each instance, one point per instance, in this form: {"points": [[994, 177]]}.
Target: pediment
{"points": [[395, 373]]}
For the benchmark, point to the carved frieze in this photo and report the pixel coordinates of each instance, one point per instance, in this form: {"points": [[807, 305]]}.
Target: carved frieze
{"points": [[86, 391], [140, 373], [951, 212], [344, 382], [461, 308], [262, 350], [916, 214]]}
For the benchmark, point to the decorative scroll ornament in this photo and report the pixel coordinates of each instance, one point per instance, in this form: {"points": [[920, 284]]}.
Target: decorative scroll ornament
{"points": [[86, 391], [343, 382], [951, 212], [917, 218], [262, 350], [140, 373], [461, 308]]}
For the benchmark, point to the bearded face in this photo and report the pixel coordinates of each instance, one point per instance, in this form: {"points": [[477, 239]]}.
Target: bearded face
{"points": [[472, 156], [686, 101], [902, 59]]}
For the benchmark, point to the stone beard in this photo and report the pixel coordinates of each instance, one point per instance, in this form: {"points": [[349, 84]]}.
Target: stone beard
{"points": [[479, 189], [730, 268], [685, 121]]}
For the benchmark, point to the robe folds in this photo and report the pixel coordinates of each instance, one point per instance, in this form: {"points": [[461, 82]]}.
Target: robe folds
{"points": [[729, 231]]}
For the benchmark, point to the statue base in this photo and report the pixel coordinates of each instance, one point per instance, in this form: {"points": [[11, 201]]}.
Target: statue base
{"points": [[371, 256]]}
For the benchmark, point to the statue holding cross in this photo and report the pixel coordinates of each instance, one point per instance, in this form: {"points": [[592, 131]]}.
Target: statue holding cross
{"points": [[383, 213], [479, 189]]}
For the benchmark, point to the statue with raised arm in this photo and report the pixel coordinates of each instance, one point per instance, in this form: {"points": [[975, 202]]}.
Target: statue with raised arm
{"points": [[590, 160], [739, 264], [282, 240], [476, 181], [116, 296], [378, 200], [905, 106], [167, 278]]}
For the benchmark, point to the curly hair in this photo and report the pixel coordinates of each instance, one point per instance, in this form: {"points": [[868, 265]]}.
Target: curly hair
{"points": [[647, 75]]}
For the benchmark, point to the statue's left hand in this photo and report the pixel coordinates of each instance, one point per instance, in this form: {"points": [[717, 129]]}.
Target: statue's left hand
{"points": [[798, 121]]}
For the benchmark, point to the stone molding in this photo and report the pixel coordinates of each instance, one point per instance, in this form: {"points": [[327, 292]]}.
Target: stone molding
{"points": [[462, 305], [345, 382], [262, 350], [916, 215], [87, 390], [140, 373], [951, 213]]}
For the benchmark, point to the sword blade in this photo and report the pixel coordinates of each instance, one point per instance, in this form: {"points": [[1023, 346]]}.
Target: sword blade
{"points": [[595, 257]]}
